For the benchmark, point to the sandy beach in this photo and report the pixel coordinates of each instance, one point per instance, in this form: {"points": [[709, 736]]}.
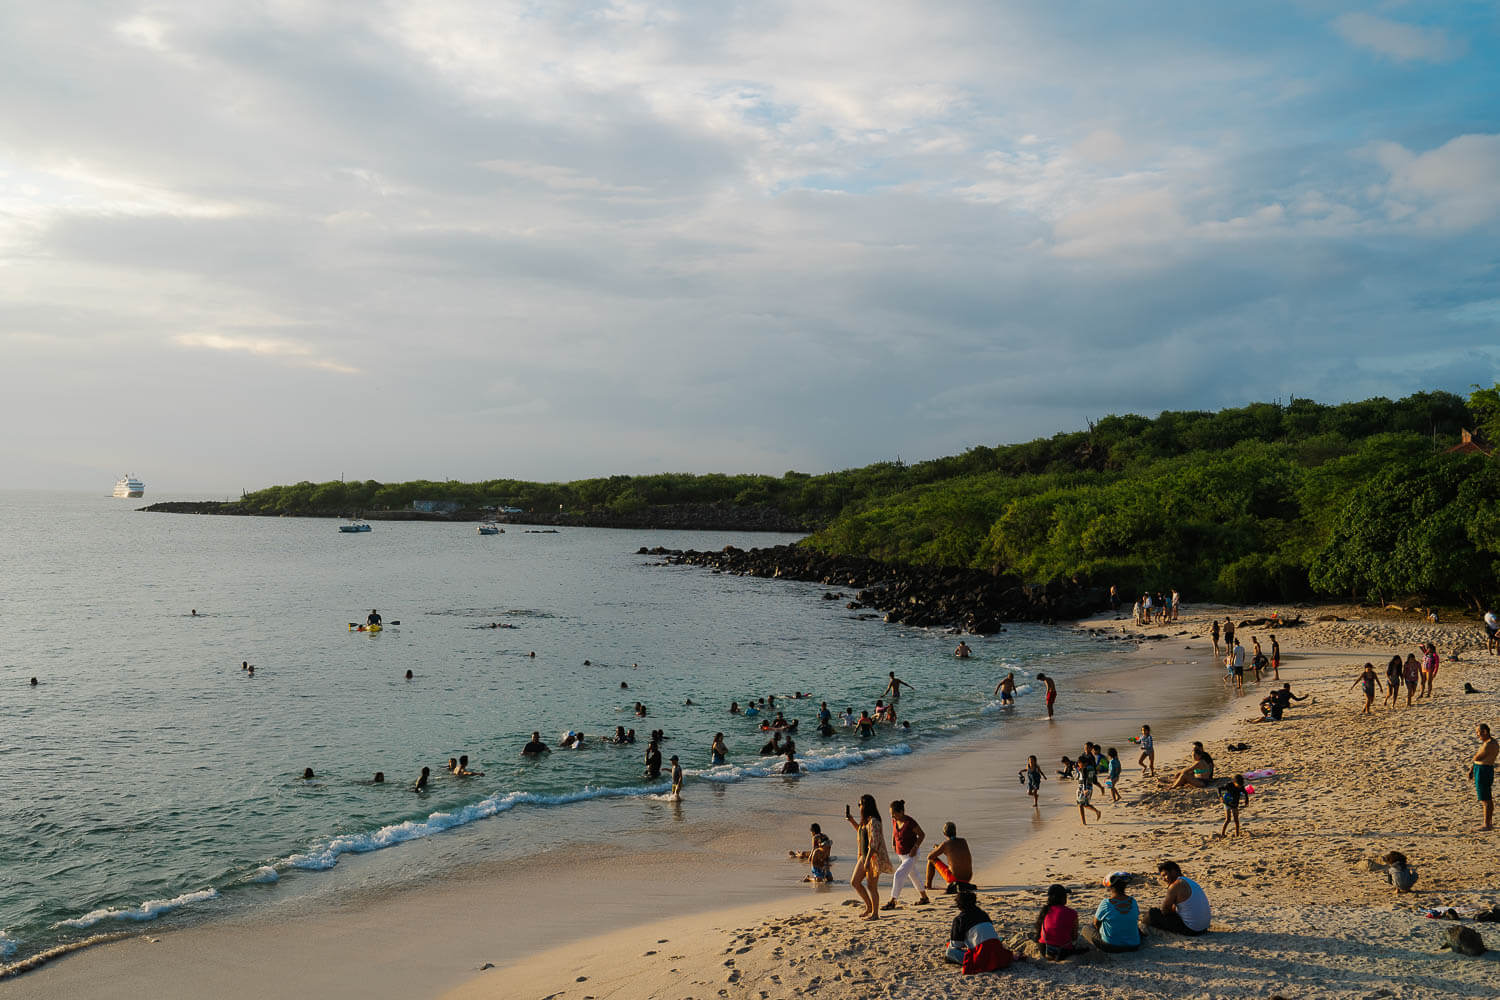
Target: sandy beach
{"points": [[713, 908], [1297, 910]]}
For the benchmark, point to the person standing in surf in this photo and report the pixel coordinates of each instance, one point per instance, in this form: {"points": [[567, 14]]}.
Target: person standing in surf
{"points": [[894, 686], [1051, 692]]}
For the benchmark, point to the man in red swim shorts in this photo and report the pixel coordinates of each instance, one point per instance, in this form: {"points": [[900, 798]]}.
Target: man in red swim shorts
{"points": [[1051, 692]]}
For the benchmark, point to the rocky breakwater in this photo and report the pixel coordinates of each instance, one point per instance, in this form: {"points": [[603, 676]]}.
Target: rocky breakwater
{"points": [[942, 597]]}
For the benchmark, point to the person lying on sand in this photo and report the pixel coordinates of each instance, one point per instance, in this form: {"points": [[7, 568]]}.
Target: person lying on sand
{"points": [[952, 860]]}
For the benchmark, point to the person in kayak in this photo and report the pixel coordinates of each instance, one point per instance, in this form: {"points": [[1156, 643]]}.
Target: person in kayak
{"points": [[373, 618]]}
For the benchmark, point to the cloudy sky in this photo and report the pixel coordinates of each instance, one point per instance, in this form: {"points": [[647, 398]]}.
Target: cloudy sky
{"points": [[257, 241]]}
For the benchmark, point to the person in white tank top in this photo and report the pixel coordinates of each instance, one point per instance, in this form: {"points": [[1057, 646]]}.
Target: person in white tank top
{"points": [[1184, 909]]}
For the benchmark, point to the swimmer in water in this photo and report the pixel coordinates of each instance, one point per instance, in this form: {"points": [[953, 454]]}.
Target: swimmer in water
{"points": [[33, 682], [250, 670], [532, 654], [535, 747], [894, 686], [1006, 689], [717, 751], [194, 613], [624, 686], [676, 779], [379, 778], [734, 708], [307, 774], [963, 652], [408, 675], [463, 768], [421, 785], [452, 765], [688, 702], [244, 664]]}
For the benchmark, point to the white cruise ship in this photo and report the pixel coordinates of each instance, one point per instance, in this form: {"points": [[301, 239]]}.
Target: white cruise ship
{"points": [[129, 486]]}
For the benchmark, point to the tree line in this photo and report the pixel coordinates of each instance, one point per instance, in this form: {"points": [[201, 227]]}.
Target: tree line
{"points": [[1268, 501]]}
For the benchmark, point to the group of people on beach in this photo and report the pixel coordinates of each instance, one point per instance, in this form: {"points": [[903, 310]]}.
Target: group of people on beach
{"points": [[1417, 675], [1149, 610]]}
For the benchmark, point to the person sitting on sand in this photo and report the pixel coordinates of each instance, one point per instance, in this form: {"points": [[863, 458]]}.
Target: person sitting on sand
{"points": [[951, 859], [1069, 769], [536, 746], [1006, 689], [972, 941], [462, 770], [1200, 774], [963, 652], [1370, 681], [1057, 926], [717, 750], [1116, 925], [1284, 698], [1184, 909]]}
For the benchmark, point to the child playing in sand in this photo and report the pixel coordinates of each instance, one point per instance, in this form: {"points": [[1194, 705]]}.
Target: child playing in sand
{"points": [[1070, 768], [818, 859], [1147, 759], [1232, 795], [1112, 782], [1031, 775]]}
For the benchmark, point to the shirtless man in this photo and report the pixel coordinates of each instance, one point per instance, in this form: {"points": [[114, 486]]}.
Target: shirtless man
{"points": [[958, 868], [1484, 774], [1006, 689], [893, 688], [1275, 659], [1051, 692], [963, 652]]}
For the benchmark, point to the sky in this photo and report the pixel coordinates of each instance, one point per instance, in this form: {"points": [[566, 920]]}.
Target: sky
{"points": [[248, 242]]}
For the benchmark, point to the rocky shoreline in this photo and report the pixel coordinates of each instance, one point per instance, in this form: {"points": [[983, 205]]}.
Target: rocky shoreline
{"points": [[964, 600]]}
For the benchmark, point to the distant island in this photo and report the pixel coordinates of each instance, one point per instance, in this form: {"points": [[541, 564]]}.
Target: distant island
{"points": [[1376, 500]]}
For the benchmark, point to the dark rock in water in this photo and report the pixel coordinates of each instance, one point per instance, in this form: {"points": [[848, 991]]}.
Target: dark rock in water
{"points": [[920, 596], [1465, 941]]}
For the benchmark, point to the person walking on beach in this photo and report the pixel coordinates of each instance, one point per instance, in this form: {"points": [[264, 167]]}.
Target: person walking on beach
{"points": [[1232, 795], [951, 859], [873, 860], [1371, 682], [1085, 794], [1184, 909], [1031, 775], [1112, 779], [1236, 663], [1392, 681], [1147, 759], [1411, 673], [1215, 633], [1228, 631], [1429, 668], [1176, 603], [1051, 692], [1275, 659], [1484, 774], [906, 838]]}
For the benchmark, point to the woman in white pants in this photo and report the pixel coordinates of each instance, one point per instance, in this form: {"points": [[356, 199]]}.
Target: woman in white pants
{"points": [[906, 838]]}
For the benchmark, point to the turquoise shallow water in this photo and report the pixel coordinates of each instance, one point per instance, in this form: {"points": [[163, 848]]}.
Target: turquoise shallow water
{"points": [[151, 776]]}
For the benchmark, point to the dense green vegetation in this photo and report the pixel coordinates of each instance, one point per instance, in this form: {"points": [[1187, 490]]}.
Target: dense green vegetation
{"points": [[1358, 500]]}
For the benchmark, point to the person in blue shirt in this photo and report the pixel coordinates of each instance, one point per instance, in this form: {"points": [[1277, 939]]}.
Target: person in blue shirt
{"points": [[1117, 919]]}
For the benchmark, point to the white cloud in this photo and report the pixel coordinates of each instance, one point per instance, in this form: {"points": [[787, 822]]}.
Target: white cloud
{"points": [[290, 351], [1455, 186], [1399, 41]]}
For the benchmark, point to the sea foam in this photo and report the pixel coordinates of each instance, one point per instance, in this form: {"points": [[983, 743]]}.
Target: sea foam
{"points": [[149, 910], [8, 946]]}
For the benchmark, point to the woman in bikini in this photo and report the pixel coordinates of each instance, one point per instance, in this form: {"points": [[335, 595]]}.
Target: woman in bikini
{"points": [[873, 860]]}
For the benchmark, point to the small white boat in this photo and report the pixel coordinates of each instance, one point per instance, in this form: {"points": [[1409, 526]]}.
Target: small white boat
{"points": [[129, 486], [491, 529], [353, 526]]}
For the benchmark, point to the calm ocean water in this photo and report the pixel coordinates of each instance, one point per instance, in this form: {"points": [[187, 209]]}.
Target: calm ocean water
{"points": [[150, 775]]}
